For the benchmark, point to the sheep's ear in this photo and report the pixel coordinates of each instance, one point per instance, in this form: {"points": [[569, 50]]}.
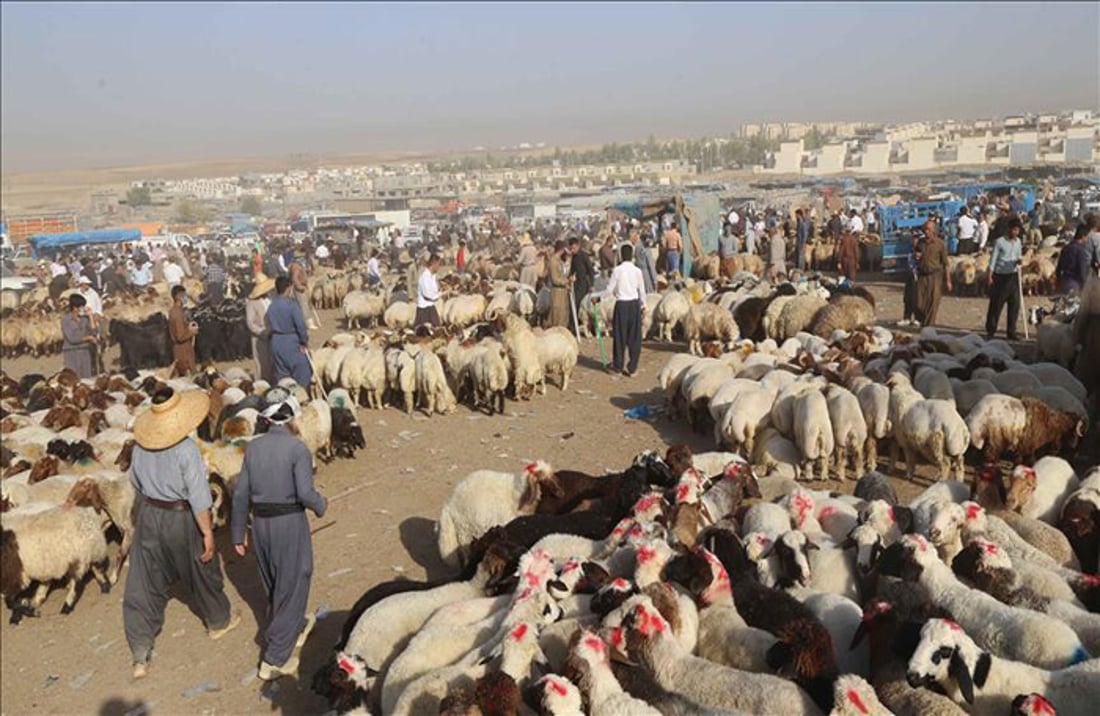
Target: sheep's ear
{"points": [[811, 545], [981, 669], [903, 516], [961, 673], [848, 543]]}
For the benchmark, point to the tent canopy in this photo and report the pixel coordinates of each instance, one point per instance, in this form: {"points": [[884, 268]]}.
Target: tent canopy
{"points": [[79, 238]]}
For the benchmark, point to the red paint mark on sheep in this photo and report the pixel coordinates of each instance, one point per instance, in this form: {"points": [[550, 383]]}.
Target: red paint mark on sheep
{"points": [[973, 511], [826, 512], [519, 632], [1039, 705], [620, 584], [989, 548], [558, 687], [952, 625], [617, 637], [346, 666], [595, 644], [646, 555], [853, 696]]}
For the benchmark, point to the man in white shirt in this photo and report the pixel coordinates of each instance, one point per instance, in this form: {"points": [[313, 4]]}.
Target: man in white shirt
{"points": [[427, 294], [374, 273], [855, 224], [627, 287], [95, 303], [57, 268], [173, 272], [321, 252], [982, 232], [968, 231]]}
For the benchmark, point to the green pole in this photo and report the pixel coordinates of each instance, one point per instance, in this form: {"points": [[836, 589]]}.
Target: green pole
{"points": [[599, 333]]}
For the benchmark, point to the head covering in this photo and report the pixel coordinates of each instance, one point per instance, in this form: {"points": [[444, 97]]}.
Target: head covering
{"points": [[264, 284], [170, 420], [524, 239], [282, 412], [84, 281]]}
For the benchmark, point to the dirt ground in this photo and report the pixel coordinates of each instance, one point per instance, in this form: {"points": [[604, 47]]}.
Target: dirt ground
{"points": [[379, 526]]}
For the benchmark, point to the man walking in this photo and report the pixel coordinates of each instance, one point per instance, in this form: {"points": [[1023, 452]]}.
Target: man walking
{"points": [[289, 337], [427, 295], [628, 288], [581, 272], [276, 482], [173, 530], [727, 250], [933, 274], [674, 244], [1004, 280], [802, 236], [559, 287]]}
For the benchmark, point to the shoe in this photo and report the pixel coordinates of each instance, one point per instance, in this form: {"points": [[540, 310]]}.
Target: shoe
{"points": [[140, 670], [1015, 338], [234, 622], [270, 673], [311, 620], [626, 373]]}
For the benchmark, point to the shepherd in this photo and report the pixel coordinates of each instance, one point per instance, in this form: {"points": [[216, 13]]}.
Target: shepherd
{"points": [[289, 338], [276, 484], [173, 528]]}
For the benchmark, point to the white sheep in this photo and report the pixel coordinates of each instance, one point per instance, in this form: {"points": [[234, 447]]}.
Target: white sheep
{"points": [[1012, 632], [775, 456], [364, 370], [748, 414], [947, 655], [399, 315], [1054, 374], [874, 401], [849, 429], [670, 311], [557, 349], [968, 392], [486, 498], [813, 433], [360, 306], [605, 696], [489, 374], [670, 377], [401, 375], [711, 322], [842, 617], [40, 542], [936, 431], [1040, 491], [464, 310], [520, 342], [432, 388]]}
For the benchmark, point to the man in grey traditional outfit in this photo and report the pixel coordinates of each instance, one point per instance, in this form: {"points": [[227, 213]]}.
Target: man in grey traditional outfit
{"points": [[276, 481], [173, 529]]}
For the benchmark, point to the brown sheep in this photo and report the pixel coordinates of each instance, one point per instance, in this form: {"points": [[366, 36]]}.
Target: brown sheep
{"points": [[843, 313], [47, 466], [61, 417], [1047, 427]]}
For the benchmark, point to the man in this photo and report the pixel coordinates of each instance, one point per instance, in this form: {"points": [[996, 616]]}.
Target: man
{"points": [[1004, 280], [967, 231], [528, 261], [559, 287], [255, 316], [95, 303], [750, 238], [628, 288], [460, 257], [644, 261], [869, 220], [932, 274], [183, 332], [848, 256], [299, 279], [58, 268], [173, 530], [835, 226], [855, 223], [322, 252], [607, 254], [674, 245], [374, 273], [1073, 263], [289, 338], [1092, 243], [581, 273], [802, 236], [981, 233], [214, 280], [173, 272], [141, 272], [777, 255], [727, 250], [339, 257], [276, 481], [427, 295]]}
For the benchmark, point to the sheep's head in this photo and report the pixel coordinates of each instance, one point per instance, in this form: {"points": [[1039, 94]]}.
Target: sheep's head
{"points": [[578, 577], [554, 694], [86, 493], [1023, 483], [536, 568], [687, 491], [355, 668], [651, 556], [1031, 705], [907, 558], [534, 605], [800, 506], [642, 624], [791, 550], [853, 696], [976, 520], [1080, 514], [540, 477], [945, 654], [945, 522], [888, 520], [46, 466], [97, 423], [612, 595], [679, 459], [868, 544], [12, 580], [650, 508]]}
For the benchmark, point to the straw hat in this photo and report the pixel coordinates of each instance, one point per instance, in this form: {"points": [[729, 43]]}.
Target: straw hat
{"points": [[264, 284], [524, 239], [165, 424]]}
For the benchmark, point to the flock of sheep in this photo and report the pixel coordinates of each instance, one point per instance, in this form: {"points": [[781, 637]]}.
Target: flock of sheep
{"points": [[723, 582]]}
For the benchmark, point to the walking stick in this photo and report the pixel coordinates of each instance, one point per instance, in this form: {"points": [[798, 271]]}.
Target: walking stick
{"points": [[599, 333], [313, 367], [1023, 308], [573, 310]]}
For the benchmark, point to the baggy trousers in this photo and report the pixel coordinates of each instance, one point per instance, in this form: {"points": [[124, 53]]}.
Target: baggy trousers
{"points": [[1005, 288], [626, 333], [166, 550], [284, 554]]}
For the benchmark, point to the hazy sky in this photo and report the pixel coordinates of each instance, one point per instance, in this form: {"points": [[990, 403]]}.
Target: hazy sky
{"points": [[112, 84]]}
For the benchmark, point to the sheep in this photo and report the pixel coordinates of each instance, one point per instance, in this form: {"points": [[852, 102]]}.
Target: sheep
{"points": [[776, 456], [999, 423], [1058, 398], [948, 656], [874, 402], [401, 375], [747, 414], [842, 313], [1014, 633], [1052, 374], [709, 321], [796, 316], [842, 617], [464, 310], [111, 493], [935, 430], [933, 384], [967, 393], [556, 696], [359, 306], [40, 543], [782, 416], [649, 641], [484, 499], [520, 342], [853, 696], [332, 365], [1080, 523], [314, 427], [432, 389], [671, 375], [589, 666], [670, 311], [1039, 492], [489, 374], [849, 429], [399, 315], [364, 370], [557, 349], [699, 385], [1055, 343], [1050, 549], [813, 433]]}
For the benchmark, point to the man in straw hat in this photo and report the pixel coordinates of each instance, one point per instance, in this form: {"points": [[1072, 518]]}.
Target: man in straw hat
{"points": [[289, 338], [276, 480], [255, 315], [173, 529]]}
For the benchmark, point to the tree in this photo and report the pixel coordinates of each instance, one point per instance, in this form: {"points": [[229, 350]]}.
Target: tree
{"points": [[251, 205], [139, 196], [813, 140], [189, 211]]}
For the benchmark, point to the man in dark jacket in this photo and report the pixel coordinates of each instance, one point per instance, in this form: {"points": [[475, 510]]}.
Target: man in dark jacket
{"points": [[1073, 263], [581, 272]]}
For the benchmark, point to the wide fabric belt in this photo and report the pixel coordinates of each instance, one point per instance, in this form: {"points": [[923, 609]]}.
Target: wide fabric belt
{"points": [[276, 509], [175, 505]]}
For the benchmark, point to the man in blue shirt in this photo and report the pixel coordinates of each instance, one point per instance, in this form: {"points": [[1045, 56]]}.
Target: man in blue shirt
{"points": [[802, 235], [1073, 263], [1004, 280]]}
